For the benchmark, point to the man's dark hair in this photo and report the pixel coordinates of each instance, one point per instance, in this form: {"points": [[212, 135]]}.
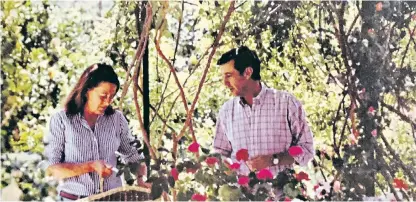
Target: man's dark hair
{"points": [[91, 78], [243, 57]]}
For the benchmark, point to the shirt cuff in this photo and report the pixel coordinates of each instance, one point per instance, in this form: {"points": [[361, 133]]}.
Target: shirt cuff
{"points": [[134, 158]]}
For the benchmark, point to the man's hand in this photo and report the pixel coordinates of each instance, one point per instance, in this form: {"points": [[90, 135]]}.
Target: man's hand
{"points": [[260, 162], [99, 166]]}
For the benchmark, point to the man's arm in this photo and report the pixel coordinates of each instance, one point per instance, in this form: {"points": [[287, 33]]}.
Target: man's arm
{"points": [[221, 143], [299, 126]]}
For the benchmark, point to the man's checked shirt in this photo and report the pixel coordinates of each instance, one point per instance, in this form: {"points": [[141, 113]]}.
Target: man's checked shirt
{"points": [[264, 128]]}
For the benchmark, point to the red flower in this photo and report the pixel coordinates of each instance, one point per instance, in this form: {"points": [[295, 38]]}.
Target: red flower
{"points": [[302, 176], [242, 154], [194, 147], [175, 174], [264, 174], [295, 151], [235, 166], [287, 199], [199, 197], [374, 133], [401, 184], [379, 6], [243, 180], [211, 161]]}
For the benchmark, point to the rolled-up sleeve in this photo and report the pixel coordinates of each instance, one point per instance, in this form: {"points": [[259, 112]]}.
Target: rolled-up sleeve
{"points": [[128, 151], [55, 141], [300, 128], [221, 143]]}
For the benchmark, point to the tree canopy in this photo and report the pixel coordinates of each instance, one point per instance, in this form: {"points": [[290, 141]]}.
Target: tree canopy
{"points": [[349, 63]]}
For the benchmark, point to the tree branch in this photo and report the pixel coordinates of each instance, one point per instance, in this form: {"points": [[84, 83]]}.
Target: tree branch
{"points": [[398, 159], [144, 37], [407, 47], [172, 69], [400, 114], [174, 58], [384, 168], [201, 83], [352, 24], [138, 57]]}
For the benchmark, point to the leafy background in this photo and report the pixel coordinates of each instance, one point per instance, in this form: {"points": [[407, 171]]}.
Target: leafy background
{"points": [[350, 63]]}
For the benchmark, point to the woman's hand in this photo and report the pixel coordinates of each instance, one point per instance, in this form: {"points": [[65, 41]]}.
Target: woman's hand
{"points": [[141, 172], [99, 166]]}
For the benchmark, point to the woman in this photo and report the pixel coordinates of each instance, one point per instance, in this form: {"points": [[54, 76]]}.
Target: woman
{"points": [[84, 137]]}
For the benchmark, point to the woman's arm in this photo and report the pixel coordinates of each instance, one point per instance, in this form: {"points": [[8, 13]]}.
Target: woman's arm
{"points": [[66, 170], [54, 151]]}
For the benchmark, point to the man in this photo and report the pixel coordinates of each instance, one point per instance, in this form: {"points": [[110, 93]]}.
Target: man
{"points": [[262, 120]]}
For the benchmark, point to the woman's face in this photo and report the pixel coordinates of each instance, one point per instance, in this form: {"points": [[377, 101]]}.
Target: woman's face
{"points": [[100, 97]]}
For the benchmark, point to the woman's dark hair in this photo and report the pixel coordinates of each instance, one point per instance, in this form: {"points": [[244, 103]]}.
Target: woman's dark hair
{"points": [[243, 57], [91, 78]]}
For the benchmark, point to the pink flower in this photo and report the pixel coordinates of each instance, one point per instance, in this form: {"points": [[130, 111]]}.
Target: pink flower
{"points": [[370, 31], [175, 174], [242, 154], [243, 180], [287, 199], [371, 110], [302, 176], [337, 186], [199, 197], [194, 147], [295, 151], [235, 166], [211, 161], [374, 133], [264, 174]]}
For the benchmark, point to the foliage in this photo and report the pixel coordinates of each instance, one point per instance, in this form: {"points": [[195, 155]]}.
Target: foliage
{"points": [[350, 63]]}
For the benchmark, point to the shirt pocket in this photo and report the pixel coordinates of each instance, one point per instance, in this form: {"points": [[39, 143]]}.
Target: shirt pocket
{"points": [[274, 130], [238, 132]]}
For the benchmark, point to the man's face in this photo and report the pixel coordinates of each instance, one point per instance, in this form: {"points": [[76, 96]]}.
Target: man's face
{"points": [[233, 80]]}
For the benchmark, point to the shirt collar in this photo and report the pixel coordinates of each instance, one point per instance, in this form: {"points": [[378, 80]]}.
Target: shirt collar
{"points": [[258, 98]]}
